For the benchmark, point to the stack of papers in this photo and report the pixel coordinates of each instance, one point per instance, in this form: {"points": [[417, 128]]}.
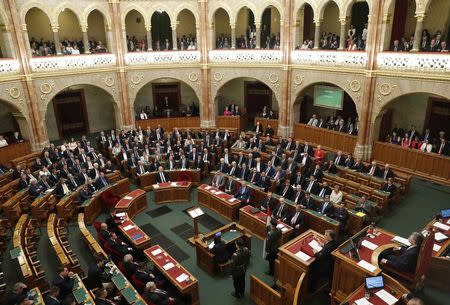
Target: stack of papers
{"points": [[436, 248], [208, 187], [128, 197], [303, 256], [362, 301], [441, 226], [280, 225], [173, 184], [386, 296], [232, 200], [369, 245], [127, 228], [284, 229], [195, 212], [155, 186], [168, 266], [182, 278], [438, 236], [367, 266], [122, 214], [315, 245], [401, 240], [156, 252]]}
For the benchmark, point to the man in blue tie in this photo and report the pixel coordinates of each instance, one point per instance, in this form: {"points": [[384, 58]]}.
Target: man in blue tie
{"points": [[327, 207], [244, 193]]}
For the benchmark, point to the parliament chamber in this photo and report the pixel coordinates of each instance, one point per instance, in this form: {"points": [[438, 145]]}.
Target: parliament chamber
{"points": [[218, 152]]}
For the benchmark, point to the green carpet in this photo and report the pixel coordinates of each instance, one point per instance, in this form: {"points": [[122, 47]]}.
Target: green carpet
{"points": [[411, 213]]}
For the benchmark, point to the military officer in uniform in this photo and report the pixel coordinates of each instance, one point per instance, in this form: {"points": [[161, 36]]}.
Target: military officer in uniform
{"points": [[273, 241], [239, 263]]}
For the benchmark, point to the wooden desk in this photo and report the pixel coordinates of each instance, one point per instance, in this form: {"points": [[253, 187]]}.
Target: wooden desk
{"points": [[38, 299], [291, 266], [133, 203], [172, 192], [121, 283], [205, 259], [186, 287], [239, 122], [348, 275], [224, 204], [14, 206], [169, 123], [390, 285], [13, 151], [257, 224], [134, 234], [89, 239], [42, 205], [149, 179], [81, 293]]}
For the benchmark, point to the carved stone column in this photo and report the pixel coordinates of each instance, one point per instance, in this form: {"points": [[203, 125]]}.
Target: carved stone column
{"points": [[198, 36], [258, 34], [207, 117], [363, 147], [174, 35], [297, 36], [26, 39], [317, 34], [109, 39], [282, 34], [418, 33], [55, 30], [123, 39], [148, 28], [212, 35], [233, 35], [85, 40], [343, 21], [38, 132], [6, 42]]}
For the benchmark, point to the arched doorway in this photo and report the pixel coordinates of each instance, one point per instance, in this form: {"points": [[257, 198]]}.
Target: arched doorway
{"points": [[157, 96], [70, 33], [186, 31], [271, 28], [419, 111], [222, 30], [330, 29], [249, 94], [80, 109], [12, 120], [161, 31], [40, 33], [98, 41], [358, 29], [135, 32], [327, 102], [245, 29], [402, 26], [304, 28]]}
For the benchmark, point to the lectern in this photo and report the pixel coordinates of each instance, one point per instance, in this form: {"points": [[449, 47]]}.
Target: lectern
{"points": [[195, 213]]}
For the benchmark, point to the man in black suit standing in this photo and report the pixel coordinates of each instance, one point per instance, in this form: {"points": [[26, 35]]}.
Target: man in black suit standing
{"points": [[64, 281], [97, 277], [404, 259], [323, 265]]}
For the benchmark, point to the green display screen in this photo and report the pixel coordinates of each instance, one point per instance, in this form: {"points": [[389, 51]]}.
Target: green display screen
{"points": [[328, 97]]}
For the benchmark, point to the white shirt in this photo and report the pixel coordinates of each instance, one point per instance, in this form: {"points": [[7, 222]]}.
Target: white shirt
{"points": [[336, 197], [143, 116]]}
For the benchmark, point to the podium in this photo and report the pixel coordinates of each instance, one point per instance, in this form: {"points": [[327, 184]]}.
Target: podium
{"points": [[195, 214]]}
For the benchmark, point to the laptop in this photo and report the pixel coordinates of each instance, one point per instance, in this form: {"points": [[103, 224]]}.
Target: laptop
{"points": [[374, 282], [445, 213]]}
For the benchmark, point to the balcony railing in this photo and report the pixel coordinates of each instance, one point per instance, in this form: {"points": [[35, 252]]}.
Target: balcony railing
{"points": [[165, 57], [414, 62], [9, 66], [351, 59], [246, 56], [72, 62]]}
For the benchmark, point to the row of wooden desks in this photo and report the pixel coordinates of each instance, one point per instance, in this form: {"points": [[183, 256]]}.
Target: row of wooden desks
{"points": [[174, 272], [81, 293], [177, 191], [230, 233], [132, 203], [133, 233], [148, 180], [220, 202], [125, 288]]}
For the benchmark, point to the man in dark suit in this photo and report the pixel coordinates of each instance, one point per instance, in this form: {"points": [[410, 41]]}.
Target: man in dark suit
{"points": [[389, 187], [162, 177], [142, 274], [307, 201], [339, 159], [263, 182], [222, 166], [97, 275], [71, 182], [156, 296], [326, 208], [23, 182], [84, 194], [324, 190], [269, 169], [220, 250], [243, 194], [404, 259], [340, 214], [117, 245], [311, 185], [273, 241], [358, 166], [52, 297], [323, 265], [286, 190], [330, 167], [268, 203], [64, 281], [61, 188], [35, 189], [101, 297], [102, 181], [83, 177], [317, 172], [281, 212], [296, 219], [387, 172], [308, 149], [374, 170], [244, 172]]}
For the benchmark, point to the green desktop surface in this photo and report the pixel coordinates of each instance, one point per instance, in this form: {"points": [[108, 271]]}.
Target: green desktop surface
{"points": [[16, 252], [119, 281], [228, 236], [80, 295], [129, 294]]}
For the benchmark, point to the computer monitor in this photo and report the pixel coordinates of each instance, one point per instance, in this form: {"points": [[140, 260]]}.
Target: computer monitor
{"points": [[445, 213], [374, 282]]}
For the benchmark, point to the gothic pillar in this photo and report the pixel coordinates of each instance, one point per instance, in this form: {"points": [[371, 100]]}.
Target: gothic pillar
{"points": [[317, 34], [109, 39], [148, 28], [6, 42], [85, 40], [197, 36], [343, 21], [282, 34], [418, 33], [124, 40], [174, 35], [212, 35], [26, 39], [55, 30], [258, 34], [233, 35]]}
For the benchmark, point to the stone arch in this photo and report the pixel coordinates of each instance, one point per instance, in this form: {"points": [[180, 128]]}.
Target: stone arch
{"points": [[37, 4], [267, 4], [270, 78], [247, 5], [165, 8], [183, 7], [215, 8], [129, 8], [3, 17], [323, 6], [101, 9], [301, 4], [67, 5], [137, 80], [347, 7]]}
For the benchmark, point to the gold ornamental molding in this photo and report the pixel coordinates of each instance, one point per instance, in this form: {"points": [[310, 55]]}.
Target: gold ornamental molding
{"points": [[273, 78], [354, 85], [109, 81], [46, 88], [193, 77], [385, 89], [14, 92]]}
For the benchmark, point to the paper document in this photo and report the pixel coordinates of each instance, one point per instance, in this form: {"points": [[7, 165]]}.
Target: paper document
{"points": [[219, 192], [315, 245], [442, 226], [232, 200], [280, 225], [156, 252], [367, 266], [182, 278], [362, 301], [173, 184], [128, 197], [211, 245], [361, 214], [284, 229], [208, 187], [155, 186], [122, 214], [129, 227], [386, 296], [168, 266], [401, 240], [369, 245], [195, 212], [438, 236], [303, 256], [436, 248]]}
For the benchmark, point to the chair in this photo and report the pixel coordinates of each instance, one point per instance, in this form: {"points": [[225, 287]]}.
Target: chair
{"points": [[138, 284], [116, 256], [415, 281], [109, 200]]}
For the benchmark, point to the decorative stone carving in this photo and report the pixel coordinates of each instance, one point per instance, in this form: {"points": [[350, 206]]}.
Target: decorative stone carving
{"points": [[109, 81], [273, 78], [136, 79], [298, 81], [386, 89], [217, 76], [354, 85], [193, 77], [14, 92], [46, 89]]}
